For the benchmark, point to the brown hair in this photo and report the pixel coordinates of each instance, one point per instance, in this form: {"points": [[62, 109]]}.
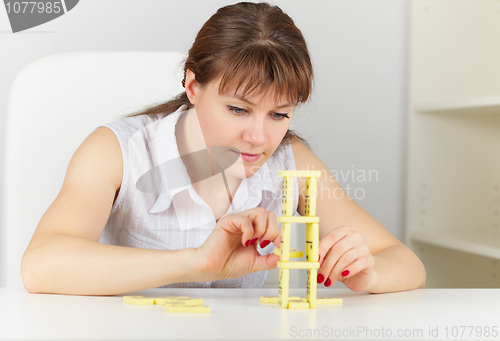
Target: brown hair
{"points": [[254, 45]]}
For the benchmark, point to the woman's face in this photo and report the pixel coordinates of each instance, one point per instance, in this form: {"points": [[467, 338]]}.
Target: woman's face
{"points": [[252, 127]]}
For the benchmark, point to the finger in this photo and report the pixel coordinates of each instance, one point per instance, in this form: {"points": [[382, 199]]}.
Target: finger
{"points": [[325, 244], [331, 239], [335, 253], [363, 264], [259, 221], [236, 223], [346, 260], [267, 262], [272, 233]]}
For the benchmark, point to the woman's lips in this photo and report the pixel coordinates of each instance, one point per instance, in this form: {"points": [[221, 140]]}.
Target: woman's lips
{"points": [[249, 157]]}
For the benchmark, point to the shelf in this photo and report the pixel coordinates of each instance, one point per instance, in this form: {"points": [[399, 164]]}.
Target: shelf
{"points": [[480, 243], [466, 106], [453, 146]]}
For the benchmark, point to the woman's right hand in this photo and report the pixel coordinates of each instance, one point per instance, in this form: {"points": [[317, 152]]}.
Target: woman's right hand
{"points": [[230, 251]]}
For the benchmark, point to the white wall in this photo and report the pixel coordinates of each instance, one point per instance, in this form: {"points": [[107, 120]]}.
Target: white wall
{"points": [[355, 120]]}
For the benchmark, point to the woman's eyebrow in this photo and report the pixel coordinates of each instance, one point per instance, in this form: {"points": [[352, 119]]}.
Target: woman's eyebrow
{"points": [[244, 99]]}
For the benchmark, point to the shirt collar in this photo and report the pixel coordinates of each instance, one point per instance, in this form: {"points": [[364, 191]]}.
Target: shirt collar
{"points": [[248, 194], [167, 150]]}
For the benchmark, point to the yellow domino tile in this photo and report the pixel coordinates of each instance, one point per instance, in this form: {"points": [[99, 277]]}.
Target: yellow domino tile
{"points": [[287, 197], [293, 253], [284, 288], [298, 265], [328, 300], [310, 209], [300, 173], [138, 300], [298, 220], [312, 242], [285, 242], [286, 173], [311, 196], [177, 304], [188, 302], [308, 174], [311, 188], [312, 286], [275, 299], [193, 302], [186, 309], [269, 299], [160, 300], [298, 305], [164, 300], [286, 206]]}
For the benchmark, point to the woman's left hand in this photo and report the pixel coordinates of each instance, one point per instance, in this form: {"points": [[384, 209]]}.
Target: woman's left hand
{"points": [[345, 257]]}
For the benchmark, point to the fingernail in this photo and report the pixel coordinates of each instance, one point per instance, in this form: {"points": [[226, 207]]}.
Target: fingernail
{"points": [[253, 241], [321, 278], [345, 273], [264, 243], [319, 257], [247, 242], [328, 282]]}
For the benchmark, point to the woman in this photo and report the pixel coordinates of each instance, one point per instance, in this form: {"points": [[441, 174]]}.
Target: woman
{"points": [[185, 194]]}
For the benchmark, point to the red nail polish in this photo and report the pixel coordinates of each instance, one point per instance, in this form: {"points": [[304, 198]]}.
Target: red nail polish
{"points": [[319, 257], [247, 242], [264, 243], [253, 241], [345, 273], [328, 282], [321, 278]]}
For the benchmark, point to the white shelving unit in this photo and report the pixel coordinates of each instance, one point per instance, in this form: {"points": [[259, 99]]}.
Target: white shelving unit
{"points": [[453, 194], [463, 106]]}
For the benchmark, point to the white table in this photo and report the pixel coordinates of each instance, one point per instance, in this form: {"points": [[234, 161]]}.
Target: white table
{"points": [[238, 314]]}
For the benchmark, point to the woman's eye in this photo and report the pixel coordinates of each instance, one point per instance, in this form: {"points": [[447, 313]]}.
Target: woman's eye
{"points": [[236, 110], [278, 116]]}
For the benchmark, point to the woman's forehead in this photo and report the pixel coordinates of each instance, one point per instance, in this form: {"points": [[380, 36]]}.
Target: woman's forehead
{"points": [[264, 97], [256, 95]]}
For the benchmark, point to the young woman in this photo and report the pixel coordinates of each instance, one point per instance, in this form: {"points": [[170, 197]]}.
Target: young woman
{"points": [[186, 193]]}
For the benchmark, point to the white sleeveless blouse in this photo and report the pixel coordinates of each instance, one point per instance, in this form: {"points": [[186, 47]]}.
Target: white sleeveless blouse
{"points": [[179, 218]]}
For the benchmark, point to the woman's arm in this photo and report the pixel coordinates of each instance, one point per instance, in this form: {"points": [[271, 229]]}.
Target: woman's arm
{"points": [[66, 264], [396, 268], [351, 239], [64, 255]]}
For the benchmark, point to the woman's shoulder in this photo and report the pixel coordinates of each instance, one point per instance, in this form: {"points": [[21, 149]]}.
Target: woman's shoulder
{"points": [[303, 156], [292, 154], [131, 125], [135, 123]]}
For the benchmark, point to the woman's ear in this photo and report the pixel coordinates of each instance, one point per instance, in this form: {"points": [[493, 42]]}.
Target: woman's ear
{"points": [[191, 86]]}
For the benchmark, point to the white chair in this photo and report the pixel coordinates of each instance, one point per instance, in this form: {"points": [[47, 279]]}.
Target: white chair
{"points": [[55, 103]]}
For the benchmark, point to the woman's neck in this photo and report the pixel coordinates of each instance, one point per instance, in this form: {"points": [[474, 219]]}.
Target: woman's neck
{"points": [[189, 138]]}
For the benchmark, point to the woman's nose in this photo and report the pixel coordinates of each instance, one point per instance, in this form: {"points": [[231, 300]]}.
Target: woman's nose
{"points": [[256, 133]]}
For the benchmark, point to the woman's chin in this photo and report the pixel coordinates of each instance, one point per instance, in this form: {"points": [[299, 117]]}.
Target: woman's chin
{"points": [[241, 169]]}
